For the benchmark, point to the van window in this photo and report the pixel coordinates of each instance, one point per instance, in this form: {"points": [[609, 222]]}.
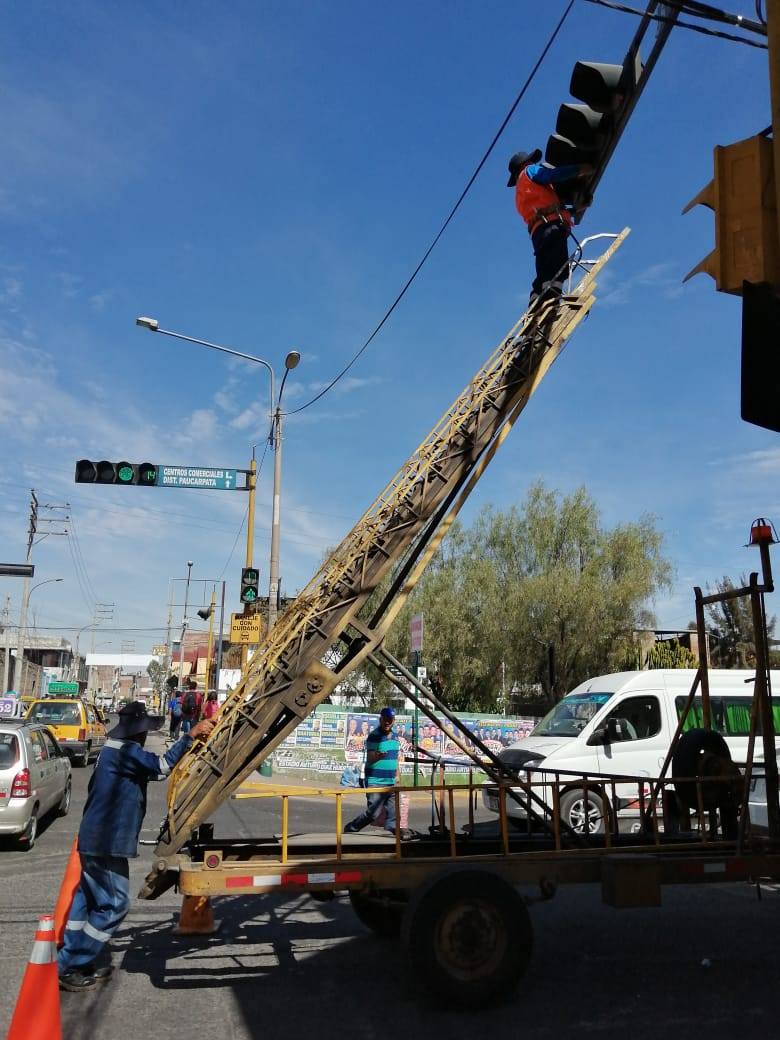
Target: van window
{"points": [[730, 714], [9, 750], [56, 713], [635, 718], [571, 715]]}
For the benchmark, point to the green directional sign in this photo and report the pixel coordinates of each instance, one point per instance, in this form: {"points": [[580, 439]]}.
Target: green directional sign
{"points": [[63, 687], [197, 477]]}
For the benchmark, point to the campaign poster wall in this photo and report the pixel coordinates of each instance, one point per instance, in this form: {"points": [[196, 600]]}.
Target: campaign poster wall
{"points": [[359, 725]]}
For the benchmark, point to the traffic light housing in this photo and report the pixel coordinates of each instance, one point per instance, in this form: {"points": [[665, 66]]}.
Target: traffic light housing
{"points": [[103, 472], [250, 582], [760, 403], [742, 196], [582, 131]]}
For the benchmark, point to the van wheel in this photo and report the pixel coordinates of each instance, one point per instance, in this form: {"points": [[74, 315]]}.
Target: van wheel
{"points": [[577, 808], [30, 832], [705, 754], [468, 938]]}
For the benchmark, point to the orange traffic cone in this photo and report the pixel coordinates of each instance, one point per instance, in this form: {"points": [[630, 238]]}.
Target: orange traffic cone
{"points": [[196, 917], [37, 1011], [70, 882]]}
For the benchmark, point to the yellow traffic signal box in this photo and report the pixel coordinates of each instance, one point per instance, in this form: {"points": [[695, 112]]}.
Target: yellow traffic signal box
{"points": [[742, 195]]}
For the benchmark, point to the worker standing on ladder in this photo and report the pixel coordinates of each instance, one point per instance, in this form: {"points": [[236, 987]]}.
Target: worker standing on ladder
{"points": [[549, 219]]}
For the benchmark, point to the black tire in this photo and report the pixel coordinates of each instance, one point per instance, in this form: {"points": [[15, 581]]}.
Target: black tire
{"points": [[469, 938], [64, 807], [690, 759], [573, 811], [381, 912], [30, 833], [83, 759]]}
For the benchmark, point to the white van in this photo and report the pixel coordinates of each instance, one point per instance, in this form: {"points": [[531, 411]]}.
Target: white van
{"points": [[623, 724]]}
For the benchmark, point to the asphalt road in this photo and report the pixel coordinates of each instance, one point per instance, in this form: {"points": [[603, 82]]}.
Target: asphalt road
{"points": [[703, 964]]}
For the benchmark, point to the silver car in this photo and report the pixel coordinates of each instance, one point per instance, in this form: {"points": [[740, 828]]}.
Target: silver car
{"points": [[34, 779]]}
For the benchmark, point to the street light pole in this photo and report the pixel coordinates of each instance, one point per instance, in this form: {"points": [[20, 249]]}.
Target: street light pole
{"points": [[290, 362], [22, 638], [184, 624]]}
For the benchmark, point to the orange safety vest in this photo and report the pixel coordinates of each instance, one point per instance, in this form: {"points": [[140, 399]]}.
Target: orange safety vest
{"points": [[539, 203]]}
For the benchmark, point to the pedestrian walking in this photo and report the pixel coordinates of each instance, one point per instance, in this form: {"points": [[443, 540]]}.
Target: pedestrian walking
{"points": [[382, 770], [174, 710], [108, 838], [191, 704], [548, 217]]}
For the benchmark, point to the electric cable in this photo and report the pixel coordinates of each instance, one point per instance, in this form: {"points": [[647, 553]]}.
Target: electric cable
{"points": [[446, 223], [614, 6]]}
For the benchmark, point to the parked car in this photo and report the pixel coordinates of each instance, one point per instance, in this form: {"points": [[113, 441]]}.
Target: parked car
{"points": [[622, 725], [34, 779], [75, 725]]}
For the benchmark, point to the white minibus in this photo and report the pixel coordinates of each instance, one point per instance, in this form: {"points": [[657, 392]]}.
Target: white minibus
{"points": [[623, 724]]}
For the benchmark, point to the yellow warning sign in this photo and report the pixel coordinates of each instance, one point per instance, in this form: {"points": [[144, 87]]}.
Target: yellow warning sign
{"points": [[247, 628]]}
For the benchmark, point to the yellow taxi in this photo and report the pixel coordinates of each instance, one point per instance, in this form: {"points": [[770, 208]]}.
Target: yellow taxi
{"points": [[76, 725]]}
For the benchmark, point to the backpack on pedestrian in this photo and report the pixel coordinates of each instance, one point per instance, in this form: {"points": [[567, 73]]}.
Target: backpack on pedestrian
{"points": [[189, 705]]}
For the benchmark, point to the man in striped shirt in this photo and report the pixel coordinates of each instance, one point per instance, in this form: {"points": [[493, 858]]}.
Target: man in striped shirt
{"points": [[382, 770]]}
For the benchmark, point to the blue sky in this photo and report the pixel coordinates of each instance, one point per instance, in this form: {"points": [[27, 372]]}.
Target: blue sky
{"points": [[267, 175]]}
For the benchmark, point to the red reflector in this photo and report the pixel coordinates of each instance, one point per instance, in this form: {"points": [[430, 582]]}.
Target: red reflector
{"points": [[21, 785], [212, 861], [82, 734]]}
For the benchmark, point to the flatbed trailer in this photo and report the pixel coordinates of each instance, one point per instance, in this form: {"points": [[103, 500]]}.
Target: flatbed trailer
{"points": [[459, 896]]}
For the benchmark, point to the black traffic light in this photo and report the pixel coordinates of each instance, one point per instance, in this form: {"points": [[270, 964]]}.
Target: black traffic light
{"points": [[103, 472], [250, 582], [583, 132]]}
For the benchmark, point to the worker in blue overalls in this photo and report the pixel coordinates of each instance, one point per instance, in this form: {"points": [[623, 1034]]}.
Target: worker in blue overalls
{"points": [[548, 217], [108, 836]]}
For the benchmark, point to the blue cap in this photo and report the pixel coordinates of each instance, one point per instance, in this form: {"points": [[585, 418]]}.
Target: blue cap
{"points": [[387, 713]]}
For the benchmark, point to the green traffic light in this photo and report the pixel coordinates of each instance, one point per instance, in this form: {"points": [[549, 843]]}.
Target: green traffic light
{"points": [[250, 595], [125, 474]]}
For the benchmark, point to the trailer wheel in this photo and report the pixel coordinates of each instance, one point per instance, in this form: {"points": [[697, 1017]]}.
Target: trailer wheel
{"points": [[469, 937], [574, 809], [381, 911]]}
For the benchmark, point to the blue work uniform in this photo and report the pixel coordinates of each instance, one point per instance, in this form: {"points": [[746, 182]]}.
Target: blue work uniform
{"points": [[108, 836]]}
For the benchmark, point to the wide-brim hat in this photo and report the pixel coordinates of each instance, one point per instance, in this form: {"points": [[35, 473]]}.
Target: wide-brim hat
{"points": [[135, 720], [518, 161]]}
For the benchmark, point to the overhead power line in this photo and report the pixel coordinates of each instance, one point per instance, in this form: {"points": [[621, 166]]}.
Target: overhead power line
{"points": [[614, 6], [451, 214]]}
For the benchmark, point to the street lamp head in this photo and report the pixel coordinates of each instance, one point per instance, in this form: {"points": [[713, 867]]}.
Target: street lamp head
{"points": [[292, 359], [148, 323], [190, 563]]}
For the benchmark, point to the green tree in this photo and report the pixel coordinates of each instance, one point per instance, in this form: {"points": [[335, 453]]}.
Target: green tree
{"points": [[157, 674], [732, 624], [519, 582]]}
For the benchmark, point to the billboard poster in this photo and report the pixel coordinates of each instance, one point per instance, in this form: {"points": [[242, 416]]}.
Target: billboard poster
{"points": [[308, 732], [359, 725], [333, 730]]}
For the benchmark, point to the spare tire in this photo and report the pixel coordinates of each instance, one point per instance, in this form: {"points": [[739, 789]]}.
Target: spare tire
{"points": [[704, 753]]}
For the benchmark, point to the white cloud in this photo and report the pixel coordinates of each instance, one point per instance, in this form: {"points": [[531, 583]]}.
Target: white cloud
{"points": [[99, 300]]}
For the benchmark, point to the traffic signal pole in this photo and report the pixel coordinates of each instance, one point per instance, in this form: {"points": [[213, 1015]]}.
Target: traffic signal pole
{"points": [[250, 539]]}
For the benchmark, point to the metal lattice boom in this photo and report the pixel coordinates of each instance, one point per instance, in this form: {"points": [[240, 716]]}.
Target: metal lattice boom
{"points": [[286, 679]]}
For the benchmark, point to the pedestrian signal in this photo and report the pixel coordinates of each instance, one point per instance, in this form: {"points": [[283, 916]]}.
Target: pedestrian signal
{"points": [[250, 582], [103, 472]]}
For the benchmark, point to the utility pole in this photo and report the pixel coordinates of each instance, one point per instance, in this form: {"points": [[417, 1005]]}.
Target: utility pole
{"points": [[218, 666], [103, 612], [184, 624], [273, 574], [7, 640], [250, 541], [210, 650], [21, 635], [773, 51]]}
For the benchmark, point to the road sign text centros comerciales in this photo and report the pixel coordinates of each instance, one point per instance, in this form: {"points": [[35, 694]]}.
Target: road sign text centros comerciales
{"points": [[197, 476]]}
